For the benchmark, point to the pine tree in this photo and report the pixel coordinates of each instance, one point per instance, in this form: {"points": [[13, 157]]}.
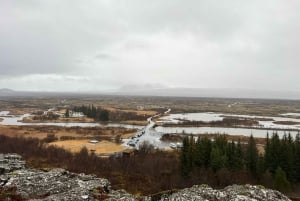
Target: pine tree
{"points": [[185, 158], [297, 158], [202, 152], [67, 113], [251, 155], [217, 159], [260, 166], [199, 153], [287, 157], [240, 156], [207, 146], [191, 151], [274, 160], [230, 155], [281, 183], [267, 152], [104, 115]]}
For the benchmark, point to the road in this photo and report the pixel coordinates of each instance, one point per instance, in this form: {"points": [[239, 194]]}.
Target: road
{"points": [[148, 134]]}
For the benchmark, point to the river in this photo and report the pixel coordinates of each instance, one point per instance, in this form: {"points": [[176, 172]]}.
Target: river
{"points": [[152, 134]]}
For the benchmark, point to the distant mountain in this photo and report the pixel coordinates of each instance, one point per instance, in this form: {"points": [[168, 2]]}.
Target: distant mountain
{"points": [[159, 90], [215, 93], [135, 87], [7, 92]]}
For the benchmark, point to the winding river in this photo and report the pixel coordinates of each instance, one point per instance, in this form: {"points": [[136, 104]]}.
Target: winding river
{"points": [[152, 134], [16, 120]]}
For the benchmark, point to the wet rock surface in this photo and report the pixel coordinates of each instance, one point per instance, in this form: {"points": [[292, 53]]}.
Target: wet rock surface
{"points": [[62, 185]]}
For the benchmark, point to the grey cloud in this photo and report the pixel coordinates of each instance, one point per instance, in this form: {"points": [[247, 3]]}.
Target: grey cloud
{"points": [[193, 43], [105, 56]]}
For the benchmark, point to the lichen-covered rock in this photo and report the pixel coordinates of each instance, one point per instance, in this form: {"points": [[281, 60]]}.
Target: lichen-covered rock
{"points": [[121, 195], [62, 185], [57, 184], [230, 193], [54, 185], [10, 162]]}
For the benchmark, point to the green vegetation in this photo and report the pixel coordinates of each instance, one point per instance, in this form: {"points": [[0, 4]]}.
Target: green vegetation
{"points": [[217, 163], [67, 113], [101, 114], [281, 183], [281, 158], [96, 113]]}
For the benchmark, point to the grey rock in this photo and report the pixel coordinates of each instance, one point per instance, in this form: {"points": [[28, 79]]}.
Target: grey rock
{"points": [[56, 184], [61, 185], [10, 162], [230, 193], [121, 195]]}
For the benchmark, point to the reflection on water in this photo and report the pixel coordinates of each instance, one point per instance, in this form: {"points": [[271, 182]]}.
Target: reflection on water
{"points": [[291, 114], [267, 123], [222, 130], [153, 135], [17, 121]]}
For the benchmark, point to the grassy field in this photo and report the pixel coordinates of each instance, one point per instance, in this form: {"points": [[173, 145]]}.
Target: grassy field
{"points": [[102, 147], [142, 106], [151, 105], [75, 138]]}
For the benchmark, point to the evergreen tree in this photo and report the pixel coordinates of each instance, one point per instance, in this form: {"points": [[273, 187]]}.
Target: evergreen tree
{"points": [[281, 183], [217, 159], [297, 157], [104, 115], [191, 151], [230, 155], [67, 113], [286, 161], [267, 152], [185, 158], [274, 160], [239, 155], [207, 146], [93, 112], [199, 153], [260, 167], [202, 152], [251, 155]]}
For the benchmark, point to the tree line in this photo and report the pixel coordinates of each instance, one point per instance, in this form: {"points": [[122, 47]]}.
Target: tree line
{"points": [[217, 162], [100, 114], [96, 113], [280, 158], [141, 173]]}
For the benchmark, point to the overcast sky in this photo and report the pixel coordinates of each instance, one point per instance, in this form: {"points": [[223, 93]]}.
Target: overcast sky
{"points": [[98, 45]]}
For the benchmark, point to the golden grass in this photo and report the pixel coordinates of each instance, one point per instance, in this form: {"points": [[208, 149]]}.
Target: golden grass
{"points": [[138, 112], [128, 135], [103, 147], [135, 122], [60, 120], [79, 133], [261, 149]]}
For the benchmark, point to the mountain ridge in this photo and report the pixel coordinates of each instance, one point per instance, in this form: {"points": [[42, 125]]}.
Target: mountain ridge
{"points": [[169, 92]]}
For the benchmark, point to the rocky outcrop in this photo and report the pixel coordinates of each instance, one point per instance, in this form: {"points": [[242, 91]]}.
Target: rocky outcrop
{"points": [[230, 193], [62, 185], [54, 185]]}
